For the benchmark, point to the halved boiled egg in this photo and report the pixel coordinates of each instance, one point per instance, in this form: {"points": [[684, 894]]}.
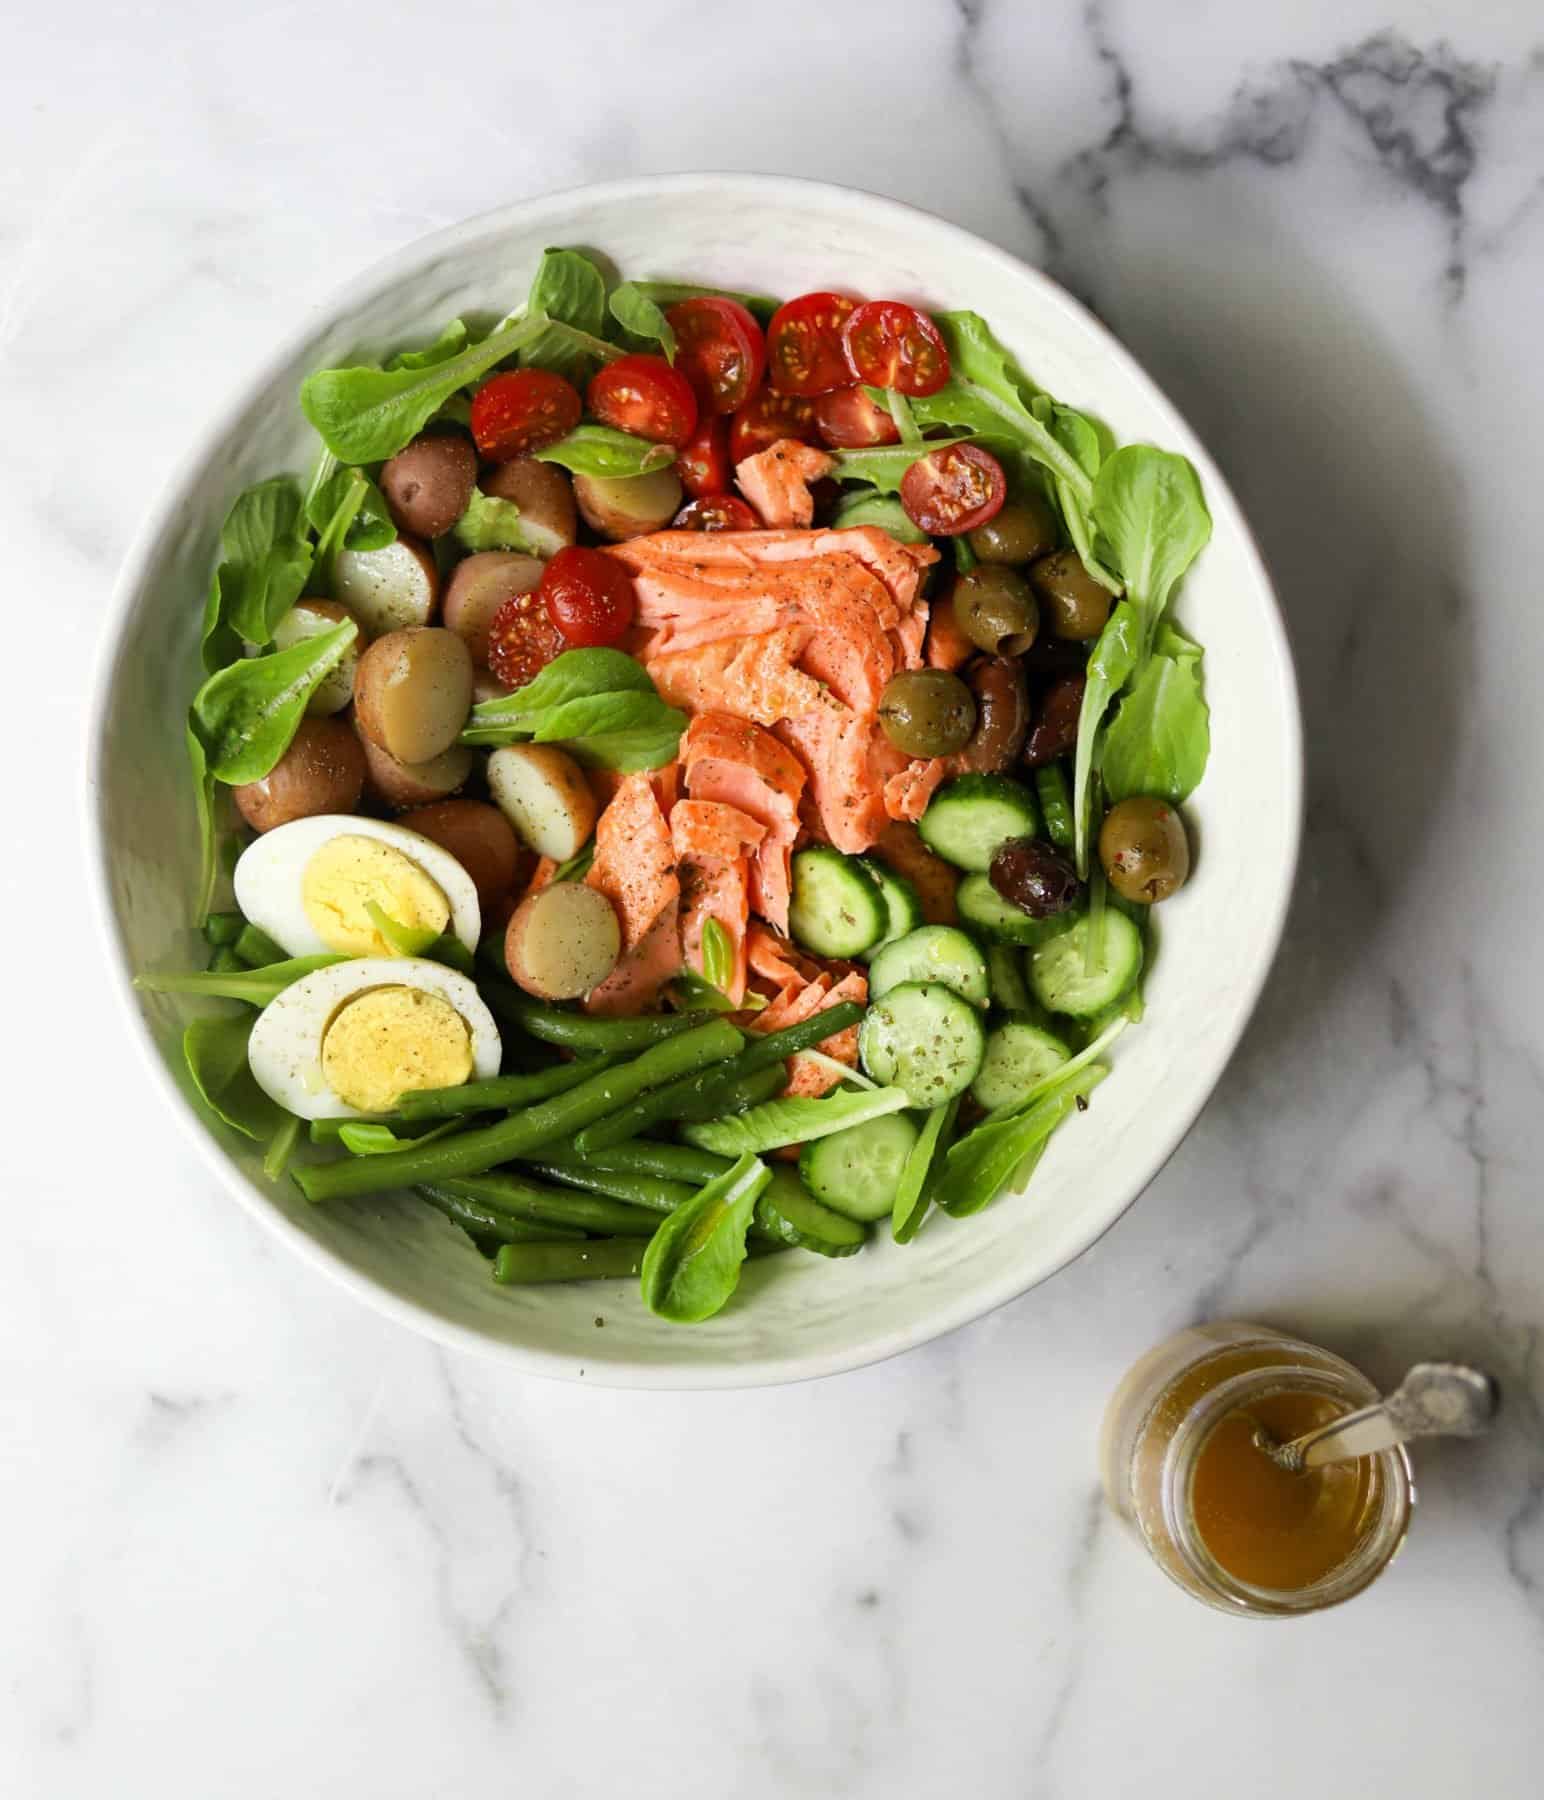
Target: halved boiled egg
{"points": [[323, 883], [344, 1042]]}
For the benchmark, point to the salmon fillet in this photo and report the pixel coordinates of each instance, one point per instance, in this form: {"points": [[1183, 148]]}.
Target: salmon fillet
{"points": [[848, 760], [909, 638], [809, 1078], [947, 646], [908, 792], [755, 677], [712, 841], [634, 864], [732, 760], [777, 480]]}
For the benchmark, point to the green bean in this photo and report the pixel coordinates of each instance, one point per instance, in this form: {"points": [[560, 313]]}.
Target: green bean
{"points": [[578, 1031], [520, 1198], [256, 949], [480, 1220], [735, 1096], [225, 961], [647, 1156], [639, 1190], [500, 1091], [554, 1120], [682, 1098], [602, 1259], [1055, 804], [223, 928]]}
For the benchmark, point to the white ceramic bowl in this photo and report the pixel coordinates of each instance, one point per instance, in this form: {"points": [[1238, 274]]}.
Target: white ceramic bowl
{"points": [[798, 1315]]}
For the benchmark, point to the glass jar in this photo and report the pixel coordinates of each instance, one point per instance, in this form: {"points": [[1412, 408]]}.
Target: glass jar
{"points": [[1181, 1470]]}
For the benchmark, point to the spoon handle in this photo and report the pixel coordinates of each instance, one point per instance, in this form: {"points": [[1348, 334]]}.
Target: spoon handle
{"points": [[1433, 1400]]}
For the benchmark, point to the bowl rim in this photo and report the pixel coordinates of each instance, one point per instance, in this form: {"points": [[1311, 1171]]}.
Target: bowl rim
{"points": [[629, 1372]]}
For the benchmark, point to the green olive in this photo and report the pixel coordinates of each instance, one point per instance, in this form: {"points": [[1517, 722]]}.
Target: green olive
{"points": [[1076, 605], [996, 610], [1020, 531], [1143, 847], [927, 712]]}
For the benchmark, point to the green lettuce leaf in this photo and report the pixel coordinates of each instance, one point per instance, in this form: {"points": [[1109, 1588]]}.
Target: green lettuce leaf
{"points": [[779, 1122], [569, 290], [602, 450]]}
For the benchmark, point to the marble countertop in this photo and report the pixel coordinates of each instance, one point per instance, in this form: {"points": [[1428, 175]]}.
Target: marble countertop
{"points": [[254, 1539]]}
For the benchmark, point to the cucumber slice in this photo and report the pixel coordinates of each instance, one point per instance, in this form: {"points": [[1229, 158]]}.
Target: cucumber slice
{"points": [[837, 908], [1017, 1056], [902, 906], [856, 1172], [967, 819], [924, 1038], [932, 953], [1063, 979], [983, 908], [792, 1216], [1005, 976]]}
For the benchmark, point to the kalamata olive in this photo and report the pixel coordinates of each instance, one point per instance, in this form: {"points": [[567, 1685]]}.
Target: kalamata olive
{"points": [[927, 712], [1056, 728], [1023, 530], [996, 610], [1035, 876], [1144, 849], [1076, 606], [1002, 714]]}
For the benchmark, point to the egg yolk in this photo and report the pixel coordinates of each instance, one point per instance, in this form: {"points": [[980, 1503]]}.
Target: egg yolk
{"points": [[349, 872], [390, 1040]]}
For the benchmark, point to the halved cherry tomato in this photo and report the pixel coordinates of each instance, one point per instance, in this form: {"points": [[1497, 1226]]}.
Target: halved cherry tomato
{"points": [[644, 395], [703, 464], [716, 512], [768, 417], [892, 345], [522, 640], [849, 420], [521, 410], [804, 344], [588, 596], [953, 490], [719, 349]]}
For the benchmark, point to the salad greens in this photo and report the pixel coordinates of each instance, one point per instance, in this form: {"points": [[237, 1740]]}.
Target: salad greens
{"points": [[642, 320], [666, 293], [265, 560], [215, 1051], [451, 342], [692, 1264], [599, 705], [348, 512], [779, 1122], [1160, 739], [569, 290], [601, 450], [245, 715]]}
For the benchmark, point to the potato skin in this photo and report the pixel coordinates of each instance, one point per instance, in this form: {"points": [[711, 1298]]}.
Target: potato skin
{"points": [[477, 589], [628, 506], [562, 942], [480, 838], [544, 495], [413, 692], [387, 590], [397, 784], [322, 771], [427, 485]]}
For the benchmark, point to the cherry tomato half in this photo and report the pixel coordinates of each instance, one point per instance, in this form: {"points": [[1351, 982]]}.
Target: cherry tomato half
{"points": [[521, 410], [719, 349], [767, 417], [703, 464], [895, 346], [953, 490], [849, 420], [588, 596], [716, 512], [804, 344], [522, 640], [644, 395]]}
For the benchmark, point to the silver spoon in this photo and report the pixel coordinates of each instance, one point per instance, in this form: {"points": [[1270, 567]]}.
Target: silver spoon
{"points": [[1433, 1400]]}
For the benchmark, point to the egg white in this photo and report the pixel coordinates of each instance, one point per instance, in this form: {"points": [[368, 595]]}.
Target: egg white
{"points": [[285, 1049], [270, 873]]}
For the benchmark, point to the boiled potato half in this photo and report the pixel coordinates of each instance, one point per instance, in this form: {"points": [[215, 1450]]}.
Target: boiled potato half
{"points": [[413, 692], [544, 795], [387, 589], [562, 942]]}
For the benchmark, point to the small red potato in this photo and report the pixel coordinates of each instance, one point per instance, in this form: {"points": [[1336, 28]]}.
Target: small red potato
{"points": [[428, 484], [413, 692], [322, 771], [562, 942]]}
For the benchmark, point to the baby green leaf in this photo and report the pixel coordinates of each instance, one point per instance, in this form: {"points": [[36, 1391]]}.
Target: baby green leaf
{"points": [[642, 318], [255, 986], [451, 342], [349, 512], [245, 716], [404, 940], [366, 414], [1080, 437], [1159, 740], [914, 1190], [885, 468], [1110, 663], [667, 293], [602, 450], [598, 704], [570, 290], [265, 560], [369, 1137], [1152, 521], [573, 675], [692, 1264], [980, 1164], [215, 1051], [493, 524], [203, 807], [882, 510], [798, 1121]]}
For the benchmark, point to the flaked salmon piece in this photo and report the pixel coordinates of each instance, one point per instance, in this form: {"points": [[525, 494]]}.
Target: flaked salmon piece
{"points": [[733, 760], [901, 848], [850, 653], [840, 750], [713, 828], [755, 677], [809, 1078], [635, 984], [634, 864], [775, 959], [794, 1005], [714, 887], [777, 480], [907, 793], [909, 638], [947, 646]]}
